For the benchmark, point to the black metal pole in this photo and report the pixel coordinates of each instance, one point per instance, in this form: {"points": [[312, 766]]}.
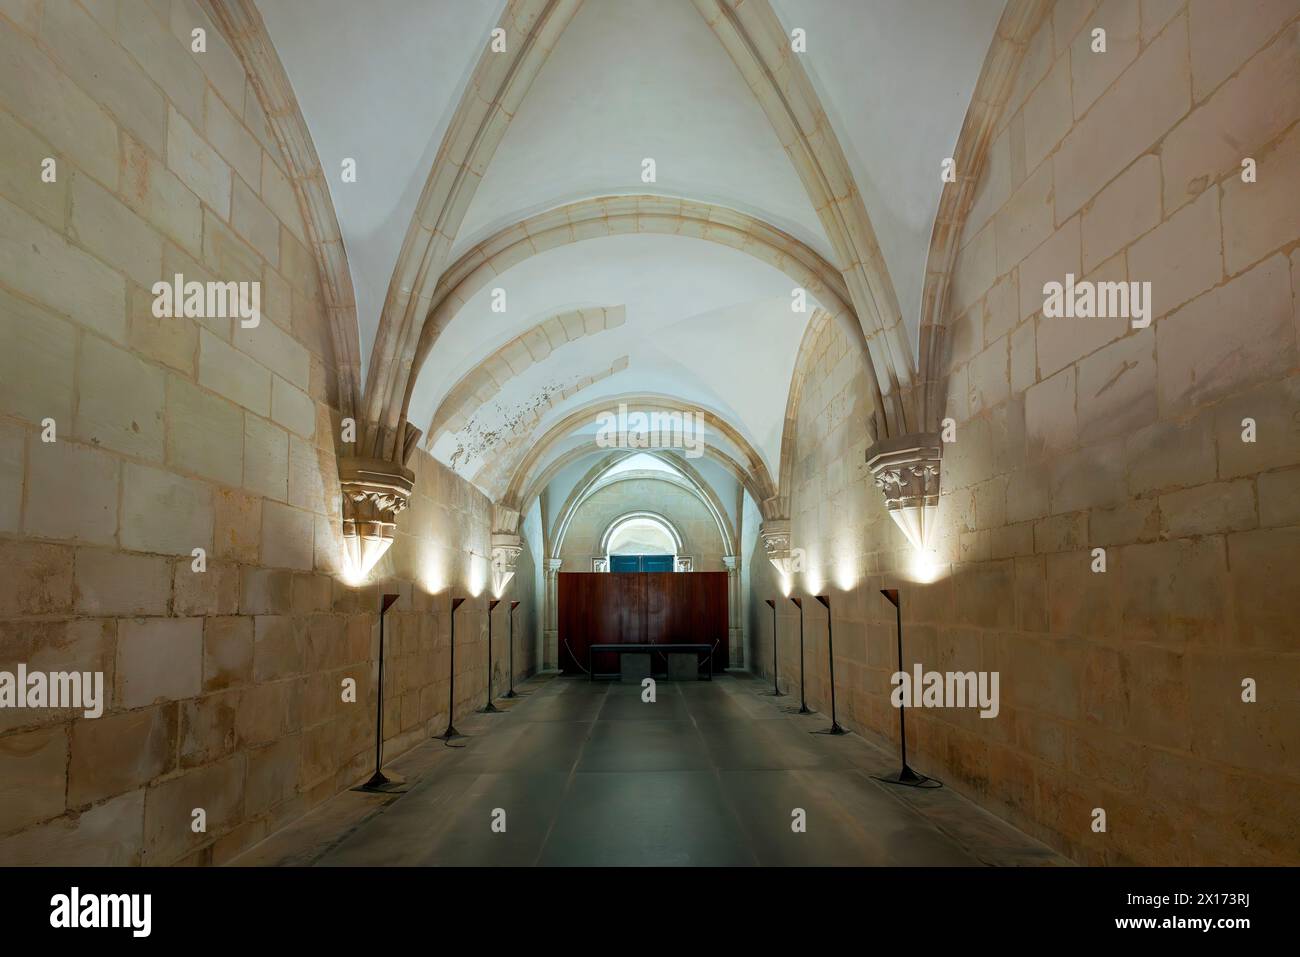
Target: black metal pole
{"points": [[451, 731], [905, 774], [776, 688], [830, 652], [490, 708], [511, 692], [902, 711], [803, 701], [379, 780], [379, 708]]}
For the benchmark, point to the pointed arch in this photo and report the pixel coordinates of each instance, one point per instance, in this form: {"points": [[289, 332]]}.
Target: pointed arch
{"points": [[1019, 22], [242, 25], [752, 34], [803, 367], [504, 515], [528, 480], [497, 456], [498, 86], [661, 520], [592, 482], [477, 386], [615, 215]]}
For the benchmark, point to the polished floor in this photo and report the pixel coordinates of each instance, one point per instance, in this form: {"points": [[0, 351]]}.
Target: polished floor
{"points": [[711, 773]]}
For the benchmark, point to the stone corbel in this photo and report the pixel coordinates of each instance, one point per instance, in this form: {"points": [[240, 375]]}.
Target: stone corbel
{"points": [[906, 470], [374, 492], [505, 554], [775, 536]]}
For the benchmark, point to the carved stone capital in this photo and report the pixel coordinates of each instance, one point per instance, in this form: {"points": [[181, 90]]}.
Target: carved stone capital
{"points": [[906, 469], [775, 536], [374, 491], [506, 549]]}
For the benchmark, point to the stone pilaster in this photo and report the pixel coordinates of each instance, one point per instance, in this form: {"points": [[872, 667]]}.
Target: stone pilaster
{"points": [[735, 629], [551, 616]]}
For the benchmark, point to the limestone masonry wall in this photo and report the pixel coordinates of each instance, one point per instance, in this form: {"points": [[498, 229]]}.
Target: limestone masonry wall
{"points": [[224, 687], [1120, 690], [128, 442]]}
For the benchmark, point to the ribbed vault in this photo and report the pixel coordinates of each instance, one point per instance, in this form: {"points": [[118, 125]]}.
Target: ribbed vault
{"points": [[750, 129]]}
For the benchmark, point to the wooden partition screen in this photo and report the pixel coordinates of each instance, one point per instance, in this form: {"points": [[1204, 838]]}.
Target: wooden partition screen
{"points": [[637, 608]]}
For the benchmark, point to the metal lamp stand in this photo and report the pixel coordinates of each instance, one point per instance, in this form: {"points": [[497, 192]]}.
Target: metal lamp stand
{"points": [[830, 654], [511, 692], [803, 701], [905, 775], [776, 689], [451, 731], [380, 781], [490, 708]]}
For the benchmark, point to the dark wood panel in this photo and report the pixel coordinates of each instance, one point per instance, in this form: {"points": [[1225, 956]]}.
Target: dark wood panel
{"points": [[636, 608]]}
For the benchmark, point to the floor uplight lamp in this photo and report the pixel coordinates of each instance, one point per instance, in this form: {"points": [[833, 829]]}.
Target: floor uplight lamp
{"points": [[803, 702], [830, 655], [451, 731], [905, 776], [379, 781], [490, 708], [511, 692], [776, 689]]}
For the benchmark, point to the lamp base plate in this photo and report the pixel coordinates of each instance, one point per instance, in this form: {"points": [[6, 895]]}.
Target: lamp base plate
{"points": [[381, 783], [907, 778], [833, 729]]}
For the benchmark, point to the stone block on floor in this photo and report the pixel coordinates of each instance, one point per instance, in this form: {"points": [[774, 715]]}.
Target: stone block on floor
{"points": [[683, 667], [633, 667]]}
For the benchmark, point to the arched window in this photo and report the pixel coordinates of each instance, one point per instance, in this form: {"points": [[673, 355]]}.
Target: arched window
{"points": [[641, 542]]}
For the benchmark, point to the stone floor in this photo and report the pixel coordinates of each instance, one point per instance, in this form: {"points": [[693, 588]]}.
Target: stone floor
{"points": [[709, 774]]}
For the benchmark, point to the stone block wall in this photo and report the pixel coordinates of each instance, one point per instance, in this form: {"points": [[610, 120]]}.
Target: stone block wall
{"points": [[1120, 690], [224, 687]]}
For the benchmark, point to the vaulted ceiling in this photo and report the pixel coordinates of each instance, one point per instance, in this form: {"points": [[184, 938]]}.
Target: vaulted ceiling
{"points": [[628, 310]]}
